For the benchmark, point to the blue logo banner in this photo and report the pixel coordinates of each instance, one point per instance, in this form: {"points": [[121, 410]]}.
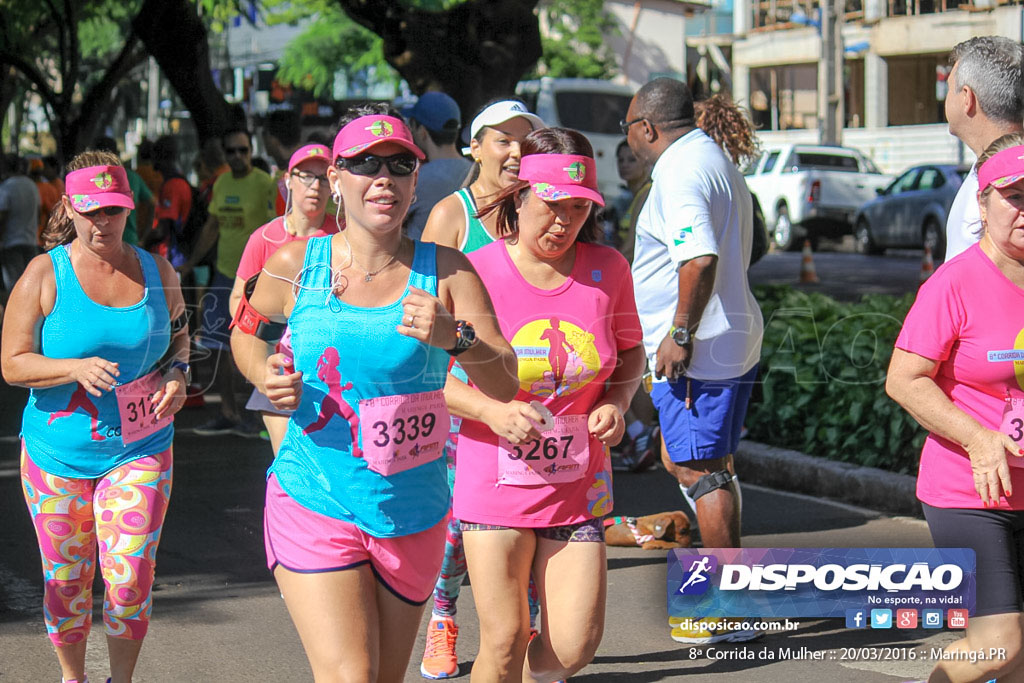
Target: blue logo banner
{"points": [[818, 582]]}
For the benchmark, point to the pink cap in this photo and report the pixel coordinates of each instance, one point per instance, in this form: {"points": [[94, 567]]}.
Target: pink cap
{"points": [[366, 131], [1002, 169], [98, 186], [561, 176], [309, 152]]}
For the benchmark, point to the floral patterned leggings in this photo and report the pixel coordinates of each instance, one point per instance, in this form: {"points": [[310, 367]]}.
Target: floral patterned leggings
{"points": [[120, 514]]}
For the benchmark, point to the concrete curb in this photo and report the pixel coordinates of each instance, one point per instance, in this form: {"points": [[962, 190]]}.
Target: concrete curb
{"points": [[788, 470]]}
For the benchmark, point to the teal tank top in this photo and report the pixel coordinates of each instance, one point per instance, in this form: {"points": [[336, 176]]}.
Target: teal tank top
{"points": [[67, 431], [347, 353], [476, 234]]}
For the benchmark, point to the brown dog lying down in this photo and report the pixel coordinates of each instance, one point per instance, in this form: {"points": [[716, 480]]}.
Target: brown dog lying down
{"points": [[653, 532]]}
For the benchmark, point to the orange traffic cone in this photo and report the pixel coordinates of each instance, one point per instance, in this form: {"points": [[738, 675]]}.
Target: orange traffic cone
{"points": [[807, 272], [927, 264]]}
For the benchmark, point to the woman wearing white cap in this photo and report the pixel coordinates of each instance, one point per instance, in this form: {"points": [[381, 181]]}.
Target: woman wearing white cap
{"points": [[496, 133], [306, 217]]}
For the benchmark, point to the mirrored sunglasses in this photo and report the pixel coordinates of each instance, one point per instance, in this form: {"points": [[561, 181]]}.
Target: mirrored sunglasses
{"points": [[369, 164]]}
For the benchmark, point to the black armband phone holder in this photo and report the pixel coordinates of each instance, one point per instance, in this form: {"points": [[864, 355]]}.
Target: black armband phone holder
{"points": [[249, 320]]}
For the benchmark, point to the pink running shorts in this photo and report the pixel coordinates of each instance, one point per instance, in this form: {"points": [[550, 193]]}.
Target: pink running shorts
{"points": [[307, 542]]}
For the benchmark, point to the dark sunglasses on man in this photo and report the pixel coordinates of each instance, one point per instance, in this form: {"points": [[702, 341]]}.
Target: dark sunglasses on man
{"points": [[369, 164]]}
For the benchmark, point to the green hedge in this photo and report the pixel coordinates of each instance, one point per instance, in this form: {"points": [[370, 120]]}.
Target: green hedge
{"points": [[823, 367]]}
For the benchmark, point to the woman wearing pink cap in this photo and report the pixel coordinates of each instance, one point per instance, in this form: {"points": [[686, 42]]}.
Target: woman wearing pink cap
{"points": [[532, 485], [357, 497], [96, 328], [305, 216], [957, 369]]}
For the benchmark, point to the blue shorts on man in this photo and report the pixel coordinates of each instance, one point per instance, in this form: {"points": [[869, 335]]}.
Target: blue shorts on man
{"points": [[710, 427]]}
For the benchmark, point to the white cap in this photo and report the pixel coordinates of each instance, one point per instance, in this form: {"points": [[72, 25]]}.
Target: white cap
{"points": [[500, 112]]}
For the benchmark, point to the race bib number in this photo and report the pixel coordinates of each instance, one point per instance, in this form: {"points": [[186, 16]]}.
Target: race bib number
{"points": [[138, 419], [1013, 424], [404, 431], [560, 455]]}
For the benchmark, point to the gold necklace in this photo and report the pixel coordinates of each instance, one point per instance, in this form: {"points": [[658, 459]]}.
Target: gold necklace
{"points": [[368, 275]]}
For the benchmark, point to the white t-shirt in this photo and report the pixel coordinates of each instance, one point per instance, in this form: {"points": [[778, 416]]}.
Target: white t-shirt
{"points": [[19, 197], [963, 225], [699, 205]]}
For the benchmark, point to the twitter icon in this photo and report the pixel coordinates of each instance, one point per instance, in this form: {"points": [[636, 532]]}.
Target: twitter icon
{"points": [[881, 618]]}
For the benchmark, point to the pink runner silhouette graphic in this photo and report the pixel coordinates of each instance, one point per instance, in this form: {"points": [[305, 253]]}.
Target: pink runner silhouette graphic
{"points": [[80, 401], [334, 403], [558, 356]]}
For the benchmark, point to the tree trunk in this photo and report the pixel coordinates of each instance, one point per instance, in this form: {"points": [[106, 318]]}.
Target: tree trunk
{"points": [[175, 36], [475, 51]]}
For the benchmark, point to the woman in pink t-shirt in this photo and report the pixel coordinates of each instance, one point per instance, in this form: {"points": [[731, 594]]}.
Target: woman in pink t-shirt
{"points": [[308, 192], [532, 485], [957, 368]]}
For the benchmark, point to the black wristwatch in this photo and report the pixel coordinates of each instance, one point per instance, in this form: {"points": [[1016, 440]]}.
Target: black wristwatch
{"points": [[185, 368], [680, 335], [465, 337]]}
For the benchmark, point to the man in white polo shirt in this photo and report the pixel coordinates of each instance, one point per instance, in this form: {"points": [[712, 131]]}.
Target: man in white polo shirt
{"points": [[702, 325], [984, 101]]}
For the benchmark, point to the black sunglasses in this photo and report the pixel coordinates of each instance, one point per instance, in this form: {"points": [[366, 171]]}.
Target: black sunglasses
{"points": [[369, 164], [236, 150], [624, 124], [106, 211]]}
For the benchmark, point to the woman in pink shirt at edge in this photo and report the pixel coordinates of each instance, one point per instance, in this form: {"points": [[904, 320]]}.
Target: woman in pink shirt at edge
{"points": [[956, 370], [308, 192], [530, 498]]}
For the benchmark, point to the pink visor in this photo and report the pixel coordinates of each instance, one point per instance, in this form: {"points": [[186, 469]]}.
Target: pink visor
{"points": [[366, 131], [1002, 169], [309, 152], [98, 186], [561, 176]]}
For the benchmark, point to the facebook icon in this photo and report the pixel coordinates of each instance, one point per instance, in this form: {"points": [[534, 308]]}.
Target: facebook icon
{"points": [[856, 618]]}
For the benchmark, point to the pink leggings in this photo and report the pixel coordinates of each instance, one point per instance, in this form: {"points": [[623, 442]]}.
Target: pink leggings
{"points": [[122, 513]]}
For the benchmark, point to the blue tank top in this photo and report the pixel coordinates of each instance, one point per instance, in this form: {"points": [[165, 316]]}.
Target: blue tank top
{"points": [[356, 353], [67, 431]]}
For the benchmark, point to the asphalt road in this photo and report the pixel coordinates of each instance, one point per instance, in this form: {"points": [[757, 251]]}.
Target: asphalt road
{"points": [[218, 616], [843, 275]]}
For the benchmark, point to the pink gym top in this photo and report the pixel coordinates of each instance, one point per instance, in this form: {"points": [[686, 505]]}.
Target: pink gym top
{"points": [[266, 240], [567, 341], [970, 317]]}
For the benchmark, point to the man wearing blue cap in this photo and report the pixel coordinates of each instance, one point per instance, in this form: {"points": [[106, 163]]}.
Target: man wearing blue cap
{"points": [[435, 120]]}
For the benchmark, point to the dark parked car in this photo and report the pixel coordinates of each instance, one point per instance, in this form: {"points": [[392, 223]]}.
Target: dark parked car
{"points": [[911, 211]]}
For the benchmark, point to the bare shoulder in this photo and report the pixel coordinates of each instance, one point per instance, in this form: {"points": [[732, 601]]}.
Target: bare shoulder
{"points": [[287, 261], [452, 263], [446, 222]]}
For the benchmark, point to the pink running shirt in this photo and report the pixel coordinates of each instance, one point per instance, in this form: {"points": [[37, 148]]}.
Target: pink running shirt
{"points": [[968, 315], [269, 238], [567, 340]]}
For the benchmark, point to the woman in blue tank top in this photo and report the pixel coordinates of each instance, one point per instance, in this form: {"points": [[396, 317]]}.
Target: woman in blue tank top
{"points": [[357, 497], [89, 329]]}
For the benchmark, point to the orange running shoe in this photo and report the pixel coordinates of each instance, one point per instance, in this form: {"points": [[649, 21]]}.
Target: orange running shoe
{"points": [[439, 660]]}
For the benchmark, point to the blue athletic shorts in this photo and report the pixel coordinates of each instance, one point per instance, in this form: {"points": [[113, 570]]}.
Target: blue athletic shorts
{"points": [[214, 332], [711, 427]]}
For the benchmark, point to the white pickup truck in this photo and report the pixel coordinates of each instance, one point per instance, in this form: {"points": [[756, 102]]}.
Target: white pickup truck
{"points": [[809, 191]]}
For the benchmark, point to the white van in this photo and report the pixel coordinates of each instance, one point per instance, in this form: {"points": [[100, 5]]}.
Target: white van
{"points": [[591, 106]]}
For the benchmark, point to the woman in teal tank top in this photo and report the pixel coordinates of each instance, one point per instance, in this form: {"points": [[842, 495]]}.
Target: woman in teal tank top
{"points": [[496, 132], [89, 330], [357, 497]]}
